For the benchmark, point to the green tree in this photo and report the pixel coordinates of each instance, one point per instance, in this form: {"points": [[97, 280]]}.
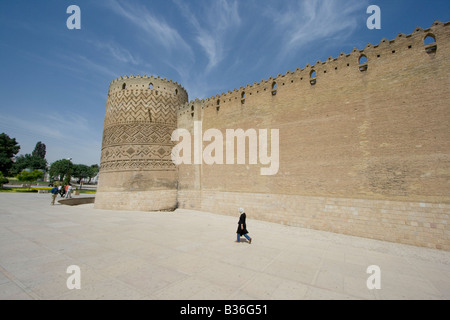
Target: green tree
{"points": [[61, 169], [28, 161], [8, 149], [93, 172], [39, 150], [80, 171], [3, 180], [30, 177]]}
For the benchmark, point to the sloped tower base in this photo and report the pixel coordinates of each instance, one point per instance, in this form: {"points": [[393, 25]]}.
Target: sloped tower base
{"points": [[139, 192]]}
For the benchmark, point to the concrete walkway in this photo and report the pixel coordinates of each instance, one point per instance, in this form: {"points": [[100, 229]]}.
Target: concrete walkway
{"points": [[192, 255]]}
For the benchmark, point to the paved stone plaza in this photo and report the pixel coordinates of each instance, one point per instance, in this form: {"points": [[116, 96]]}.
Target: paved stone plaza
{"points": [[192, 255]]}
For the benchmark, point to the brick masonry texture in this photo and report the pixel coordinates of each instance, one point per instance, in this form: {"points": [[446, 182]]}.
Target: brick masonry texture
{"points": [[137, 169], [364, 146]]}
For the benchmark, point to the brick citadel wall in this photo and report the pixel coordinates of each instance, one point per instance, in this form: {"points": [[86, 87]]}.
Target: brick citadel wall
{"points": [[364, 144]]}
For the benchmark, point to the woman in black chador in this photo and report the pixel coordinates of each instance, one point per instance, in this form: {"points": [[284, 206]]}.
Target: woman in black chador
{"points": [[242, 227]]}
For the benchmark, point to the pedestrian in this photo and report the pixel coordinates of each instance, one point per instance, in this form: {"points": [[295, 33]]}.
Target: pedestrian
{"points": [[69, 191], [54, 193], [61, 190], [242, 227]]}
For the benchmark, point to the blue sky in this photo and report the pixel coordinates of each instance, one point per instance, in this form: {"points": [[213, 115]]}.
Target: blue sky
{"points": [[54, 81]]}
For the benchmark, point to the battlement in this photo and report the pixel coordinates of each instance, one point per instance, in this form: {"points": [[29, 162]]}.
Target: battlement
{"points": [[357, 61], [147, 83]]}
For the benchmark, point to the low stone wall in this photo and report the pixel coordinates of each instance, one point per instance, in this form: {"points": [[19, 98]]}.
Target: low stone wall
{"points": [[77, 201]]}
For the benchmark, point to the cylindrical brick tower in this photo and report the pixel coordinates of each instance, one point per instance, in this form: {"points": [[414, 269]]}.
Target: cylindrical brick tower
{"points": [[136, 170]]}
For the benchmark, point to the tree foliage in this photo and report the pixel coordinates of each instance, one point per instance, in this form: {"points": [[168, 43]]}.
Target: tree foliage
{"points": [[82, 171], [61, 169], [3, 180], [39, 150], [94, 171], [26, 176], [28, 161], [8, 149]]}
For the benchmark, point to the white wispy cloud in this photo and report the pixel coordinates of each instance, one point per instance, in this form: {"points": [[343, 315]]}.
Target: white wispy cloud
{"points": [[218, 18], [118, 52], [305, 21], [155, 27], [89, 64]]}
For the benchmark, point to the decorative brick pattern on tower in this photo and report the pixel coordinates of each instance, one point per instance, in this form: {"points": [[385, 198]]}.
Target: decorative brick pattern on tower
{"points": [[136, 167]]}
